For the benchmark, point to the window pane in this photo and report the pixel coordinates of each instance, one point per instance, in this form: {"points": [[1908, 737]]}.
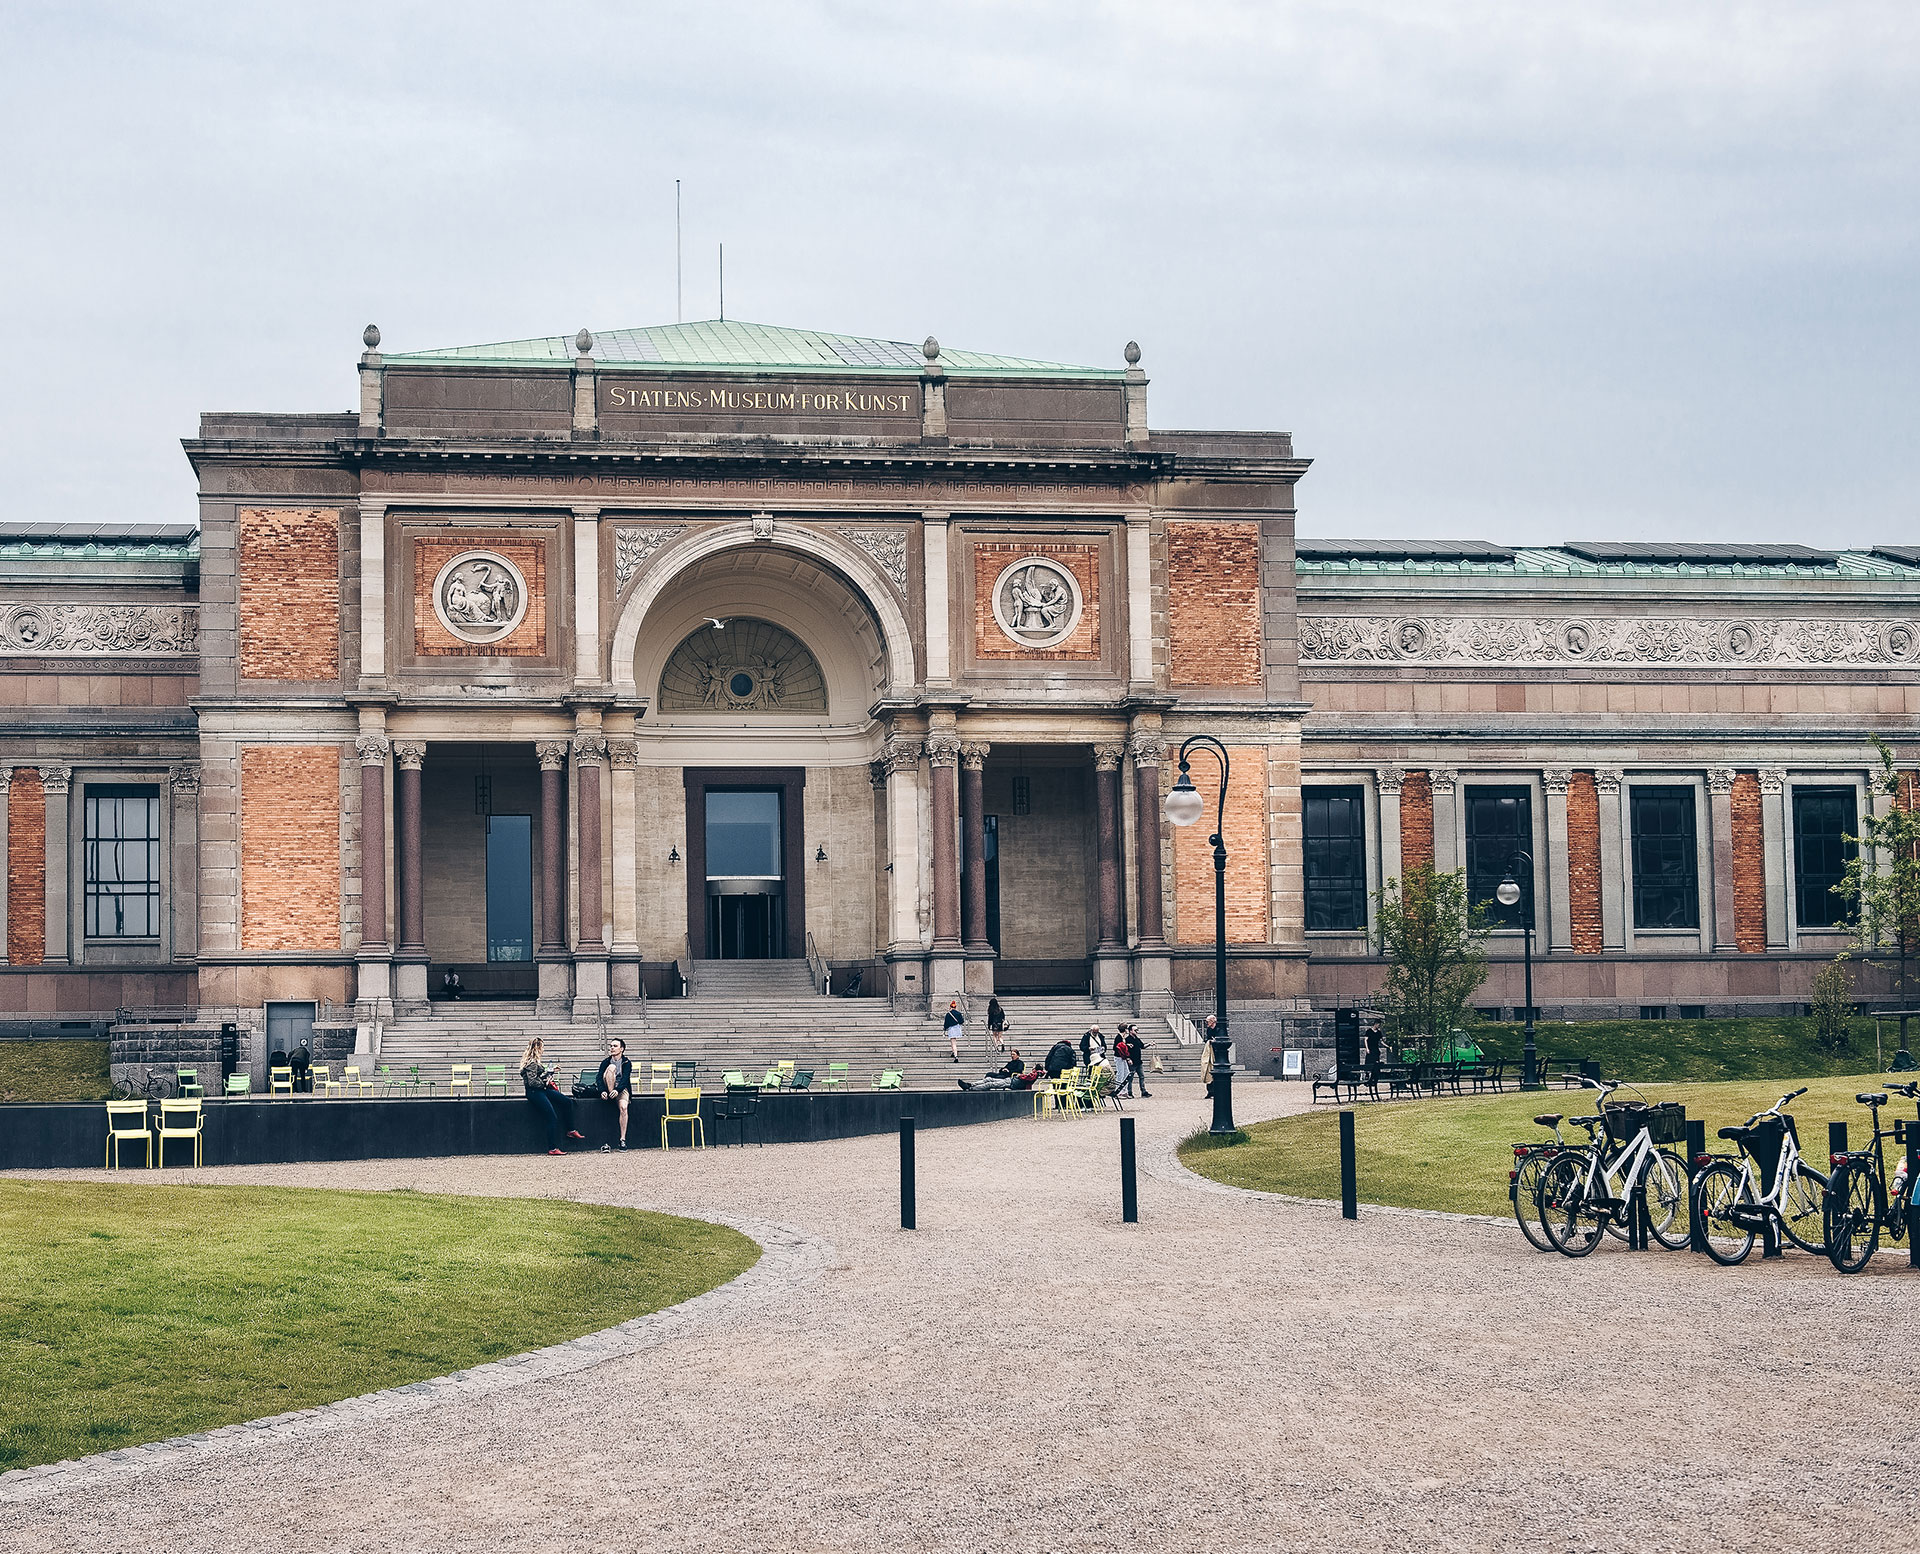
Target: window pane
{"points": [[122, 847], [743, 836], [1499, 824], [1334, 857], [509, 887], [1823, 819], [1666, 884]]}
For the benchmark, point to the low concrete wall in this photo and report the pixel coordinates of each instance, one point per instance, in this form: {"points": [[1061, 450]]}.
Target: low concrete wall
{"points": [[260, 1131]]}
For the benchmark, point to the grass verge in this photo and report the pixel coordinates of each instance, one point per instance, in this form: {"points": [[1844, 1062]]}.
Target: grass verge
{"points": [[53, 1071], [137, 1313], [1455, 1153], [1650, 1050]]}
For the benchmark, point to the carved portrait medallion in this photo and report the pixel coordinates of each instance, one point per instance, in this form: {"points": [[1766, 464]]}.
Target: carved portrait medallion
{"points": [[1036, 602], [480, 596]]}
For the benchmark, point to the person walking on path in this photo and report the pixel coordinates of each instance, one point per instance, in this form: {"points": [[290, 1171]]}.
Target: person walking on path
{"points": [[955, 1022], [1122, 1064], [616, 1083], [1139, 1056], [546, 1097], [997, 1024]]}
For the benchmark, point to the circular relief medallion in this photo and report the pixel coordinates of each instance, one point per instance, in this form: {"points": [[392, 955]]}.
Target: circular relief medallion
{"points": [[480, 596], [26, 627], [1900, 641], [1037, 602], [1576, 638], [1409, 637], [1741, 642]]}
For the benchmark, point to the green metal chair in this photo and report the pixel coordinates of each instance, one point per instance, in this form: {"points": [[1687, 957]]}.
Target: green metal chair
{"points": [[188, 1082], [496, 1076], [836, 1076], [890, 1079], [239, 1084]]}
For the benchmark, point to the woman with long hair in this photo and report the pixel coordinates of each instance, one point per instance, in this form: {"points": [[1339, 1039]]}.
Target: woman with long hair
{"points": [[546, 1097]]}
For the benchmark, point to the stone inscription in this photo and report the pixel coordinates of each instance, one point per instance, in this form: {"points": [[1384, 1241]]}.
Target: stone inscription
{"points": [[727, 400], [1729, 642], [85, 630]]}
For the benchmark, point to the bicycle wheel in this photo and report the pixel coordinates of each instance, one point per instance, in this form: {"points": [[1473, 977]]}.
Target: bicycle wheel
{"points": [[1572, 1225], [1717, 1191], [1665, 1184], [1803, 1209], [1854, 1204], [1526, 1201]]}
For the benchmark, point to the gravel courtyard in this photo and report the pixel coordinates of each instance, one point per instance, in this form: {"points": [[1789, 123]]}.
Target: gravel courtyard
{"points": [[1025, 1372]]}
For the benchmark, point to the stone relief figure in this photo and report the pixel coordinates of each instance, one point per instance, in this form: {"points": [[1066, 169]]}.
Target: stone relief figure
{"points": [[1036, 602], [480, 596]]}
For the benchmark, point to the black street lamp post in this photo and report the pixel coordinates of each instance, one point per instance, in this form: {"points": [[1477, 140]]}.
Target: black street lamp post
{"points": [[1510, 893], [1184, 806]]}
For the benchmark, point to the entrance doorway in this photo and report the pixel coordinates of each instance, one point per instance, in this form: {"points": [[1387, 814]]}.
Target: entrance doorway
{"points": [[746, 881]]}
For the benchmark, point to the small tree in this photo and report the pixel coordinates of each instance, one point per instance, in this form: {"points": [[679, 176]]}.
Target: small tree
{"points": [[1432, 939], [1882, 881], [1833, 1006]]}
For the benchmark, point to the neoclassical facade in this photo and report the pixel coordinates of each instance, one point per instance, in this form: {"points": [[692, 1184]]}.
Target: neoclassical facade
{"points": [[560, 665]]}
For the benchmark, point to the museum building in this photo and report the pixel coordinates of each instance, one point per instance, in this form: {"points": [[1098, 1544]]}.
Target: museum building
{"points": [[562, 665]]}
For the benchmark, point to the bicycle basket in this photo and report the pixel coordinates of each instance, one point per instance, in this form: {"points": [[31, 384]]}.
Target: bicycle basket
{"points": [[1667, 1123], [1625, 1120]]}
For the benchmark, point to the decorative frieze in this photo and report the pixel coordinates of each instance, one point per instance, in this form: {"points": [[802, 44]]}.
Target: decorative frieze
{"points": [[1705, 642], [86, 630], [887, 547], [631, 547]]}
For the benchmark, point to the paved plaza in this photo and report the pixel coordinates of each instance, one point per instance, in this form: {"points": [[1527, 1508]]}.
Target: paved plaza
{"points": [[1026, 1372]]}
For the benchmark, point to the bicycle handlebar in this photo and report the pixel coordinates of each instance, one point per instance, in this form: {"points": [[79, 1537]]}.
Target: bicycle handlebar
{"points": [[1790, 1096]]}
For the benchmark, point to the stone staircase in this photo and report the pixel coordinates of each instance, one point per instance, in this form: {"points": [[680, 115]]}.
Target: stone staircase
{"points": [[748, 1015]]}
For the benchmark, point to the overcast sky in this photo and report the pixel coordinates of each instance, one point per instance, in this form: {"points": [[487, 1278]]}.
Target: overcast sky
{"points": [[1521, 271]]}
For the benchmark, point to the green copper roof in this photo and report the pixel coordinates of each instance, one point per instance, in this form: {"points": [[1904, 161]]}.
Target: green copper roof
{"points": [[728, 345]]}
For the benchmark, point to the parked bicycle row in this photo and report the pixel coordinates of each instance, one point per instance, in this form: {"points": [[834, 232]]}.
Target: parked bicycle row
{"points": [[1625, 1179]]}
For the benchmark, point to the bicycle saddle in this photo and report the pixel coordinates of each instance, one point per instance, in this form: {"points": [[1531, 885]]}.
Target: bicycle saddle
{"points": [[1871, 1100], [1548, 1119]]}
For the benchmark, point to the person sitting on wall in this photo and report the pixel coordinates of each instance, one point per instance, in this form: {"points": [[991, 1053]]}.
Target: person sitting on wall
{"points": [[616, 1082], [546, 1097]]}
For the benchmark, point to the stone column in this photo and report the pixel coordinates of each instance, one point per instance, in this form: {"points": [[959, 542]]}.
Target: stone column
{"points": [[1720, 801], [973, 873], [6, 783], [1111, 973], [1559, 867], [590, 988], [1613, 893], [946, 971], [899, 768], [410, 956], [623, 768], [183, 875], [1773, 838], [57, 780], [556, 982], [1153, 966], [374, 981], [1446, 820], [1387, 784]]}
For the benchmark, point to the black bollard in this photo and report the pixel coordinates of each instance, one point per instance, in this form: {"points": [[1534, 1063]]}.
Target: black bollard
{"points": [[1349, 1187], [1129, 1188], [1696, 1147], [907, 1216], [1836, 1139]]}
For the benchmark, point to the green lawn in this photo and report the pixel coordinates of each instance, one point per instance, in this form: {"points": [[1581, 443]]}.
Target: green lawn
{"points": [[134, 1313], [53, 1071], [1455, 1153], [1696, 1049]]}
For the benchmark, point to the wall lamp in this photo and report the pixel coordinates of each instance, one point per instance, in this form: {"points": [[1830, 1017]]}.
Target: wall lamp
{"points": [[673, 854], [820, 855]]}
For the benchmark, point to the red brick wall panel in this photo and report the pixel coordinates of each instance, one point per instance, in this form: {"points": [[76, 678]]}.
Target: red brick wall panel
{"points": [[1213, 604], [26, 869], [527, 640], [290, 847], [1416, 821], [1081, 645], [1246, 839], [1749, 868], [289, 560], [1583, 863]]}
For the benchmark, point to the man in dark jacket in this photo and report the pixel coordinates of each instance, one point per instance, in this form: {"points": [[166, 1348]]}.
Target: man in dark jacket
{"points": [[1138, 1057], [1059, 1058]]}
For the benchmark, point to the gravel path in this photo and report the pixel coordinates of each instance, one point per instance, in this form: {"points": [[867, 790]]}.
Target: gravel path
{"points": [[1025, 1372]]}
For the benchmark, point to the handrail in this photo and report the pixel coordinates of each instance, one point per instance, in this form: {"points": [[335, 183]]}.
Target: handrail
{"points": [[817, 966], [1184, 1030]]}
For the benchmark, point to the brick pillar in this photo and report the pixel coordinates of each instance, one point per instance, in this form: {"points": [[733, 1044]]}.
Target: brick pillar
{"points": [[1416, 821], [1749, 865], [1583, 864], [407, 864], [26, 869]]}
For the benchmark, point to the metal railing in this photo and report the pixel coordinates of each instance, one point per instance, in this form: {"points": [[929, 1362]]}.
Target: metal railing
{"points": [[1184, 1030], [817, 966]]}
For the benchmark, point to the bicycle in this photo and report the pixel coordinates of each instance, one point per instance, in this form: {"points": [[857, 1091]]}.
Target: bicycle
{"points": [[1523, 1182], [1590, 1188], [1857, 1206], [149, 1087], [1794, 1197]]}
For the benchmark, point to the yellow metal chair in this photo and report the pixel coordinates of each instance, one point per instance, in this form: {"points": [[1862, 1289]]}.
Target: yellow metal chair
{"points": [[350, 1080], [662, 1079], [461, 1082], [683, 1106], [179, 1120], [188, 1081], [324, 1084], [786, 1067], [126, 1120], [280, 1081]]}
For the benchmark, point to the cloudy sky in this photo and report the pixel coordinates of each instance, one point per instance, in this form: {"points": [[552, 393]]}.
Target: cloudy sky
{"points": [[1515, 270]]}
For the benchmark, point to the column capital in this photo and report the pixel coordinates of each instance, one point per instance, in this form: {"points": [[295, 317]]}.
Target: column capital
{"points": [[943, 749], [1107, 755], [552, 754], [1773, 779], [56, 778], [586, 512], [589, 747], [374, 749], [6, 780], [1557, 780], [1720, 779], [1607, 779], [877, 772], [973, 753], [901, 755], [185, 777], [1389, 779], [409, 755], [623, 754], [1146, 747], [1441, 778]]}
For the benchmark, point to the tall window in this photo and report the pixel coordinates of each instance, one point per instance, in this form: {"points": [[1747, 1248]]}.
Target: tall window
{"points": [[1823, 820], [1499, 827], [1335, 857], [1666, 876], [509, 887], [123, 861]]}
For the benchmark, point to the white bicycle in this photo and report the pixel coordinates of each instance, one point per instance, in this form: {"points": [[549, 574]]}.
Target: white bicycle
{"points": [[1587, 1190], [1794, 1198]]}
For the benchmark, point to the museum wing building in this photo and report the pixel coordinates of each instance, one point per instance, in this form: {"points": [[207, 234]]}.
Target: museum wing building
{"points": [[564, 665]]}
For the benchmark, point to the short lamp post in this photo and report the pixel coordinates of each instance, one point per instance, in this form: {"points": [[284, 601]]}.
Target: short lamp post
{"points": [[1511, 893], [1184, 807]]}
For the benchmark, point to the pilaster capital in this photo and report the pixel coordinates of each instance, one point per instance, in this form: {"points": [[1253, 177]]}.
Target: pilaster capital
{"points": [[623, 754], [185, 778], [1147, 747], [409, 755], [56, 779], [374, 749], [1719, 779], [1773, 779], [6, 780], [1557, 780], [1390, 779], [877, 773], [589, 748], [943, 750], [1107, 755], [973, 753], [1442, 778], [1607, 779], [900, 755], [552, 754], [588, 514]]}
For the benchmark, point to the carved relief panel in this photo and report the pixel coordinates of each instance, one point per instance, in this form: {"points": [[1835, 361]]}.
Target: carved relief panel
{"points": [[480, 594], [1037, 600]]}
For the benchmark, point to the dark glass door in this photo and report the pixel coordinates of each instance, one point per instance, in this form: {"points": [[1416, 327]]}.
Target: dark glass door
{"points": [[745, 926], [746, 886]]}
